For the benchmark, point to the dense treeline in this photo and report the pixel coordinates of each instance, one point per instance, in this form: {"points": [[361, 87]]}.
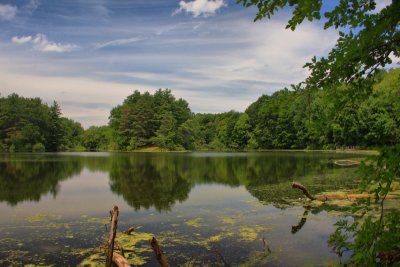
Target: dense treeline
{"points": [[288, 119], [145, 119], [27, 124]]}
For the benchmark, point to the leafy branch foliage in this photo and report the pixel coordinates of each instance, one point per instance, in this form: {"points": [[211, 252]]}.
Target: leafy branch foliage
{"points": [[367, 38], [374, 240]]}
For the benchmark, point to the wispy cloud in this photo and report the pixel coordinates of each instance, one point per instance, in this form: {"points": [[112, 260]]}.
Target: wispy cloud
{"points": [[21, 40], [200, 7], [119, 42], [7, 12], [30, 7], [41, 43]]}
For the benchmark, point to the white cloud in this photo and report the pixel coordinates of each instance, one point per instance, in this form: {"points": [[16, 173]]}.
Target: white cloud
{"points": [[200, 7], [227, 63], [118, 42], [21, 40], [41, 43], [7, 12], [72, 93]]}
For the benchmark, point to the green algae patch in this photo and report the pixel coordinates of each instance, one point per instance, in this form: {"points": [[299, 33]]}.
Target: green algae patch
{"points": [[135, 259], [215, 238], [98, 220], [250, 201], [247, 233], [250, 233], [259, 258], [97, 259], [69, 235], [134, 242], [130, 241], [228, 220], [197, 222], [43, 217], [33, 265]]}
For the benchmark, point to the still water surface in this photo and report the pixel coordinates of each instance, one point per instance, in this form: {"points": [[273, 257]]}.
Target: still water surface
{"points": [[204, 208]]}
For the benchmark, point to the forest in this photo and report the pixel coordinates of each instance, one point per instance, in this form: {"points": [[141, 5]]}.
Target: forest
{"points": [[325, 118]]}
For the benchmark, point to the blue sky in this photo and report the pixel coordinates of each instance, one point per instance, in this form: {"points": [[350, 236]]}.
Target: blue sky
{"points": [[88, 55]]}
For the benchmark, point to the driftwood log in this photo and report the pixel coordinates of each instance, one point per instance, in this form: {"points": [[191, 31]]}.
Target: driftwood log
{"points": [[113, 230], [159, 254], [302, 188], [120, 261]]}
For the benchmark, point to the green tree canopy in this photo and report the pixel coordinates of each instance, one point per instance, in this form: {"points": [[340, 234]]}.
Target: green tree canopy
{"points": [[28, 124], [146, 119]]}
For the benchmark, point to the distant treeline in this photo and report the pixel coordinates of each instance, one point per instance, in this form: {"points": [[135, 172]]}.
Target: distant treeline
{"points": [[27, 124], [288, 119]]}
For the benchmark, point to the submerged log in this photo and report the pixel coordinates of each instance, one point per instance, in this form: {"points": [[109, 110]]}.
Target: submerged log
{"points": [[302, 188], [113, 231], [159, 254]]}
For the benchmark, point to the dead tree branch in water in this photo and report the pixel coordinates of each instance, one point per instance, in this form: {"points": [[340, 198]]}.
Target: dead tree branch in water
{"points": [[120, 261], [159, 254], [113, 231], [130, 230], [302, 188]]}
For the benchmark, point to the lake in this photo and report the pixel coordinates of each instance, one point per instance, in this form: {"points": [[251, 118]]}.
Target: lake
{"points": [[205, 208]]}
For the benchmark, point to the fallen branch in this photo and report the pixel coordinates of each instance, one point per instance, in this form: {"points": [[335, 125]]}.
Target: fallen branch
{"points": [[113, 231], [159, 254], [302, 188], [120, 261], [130, 230]]}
